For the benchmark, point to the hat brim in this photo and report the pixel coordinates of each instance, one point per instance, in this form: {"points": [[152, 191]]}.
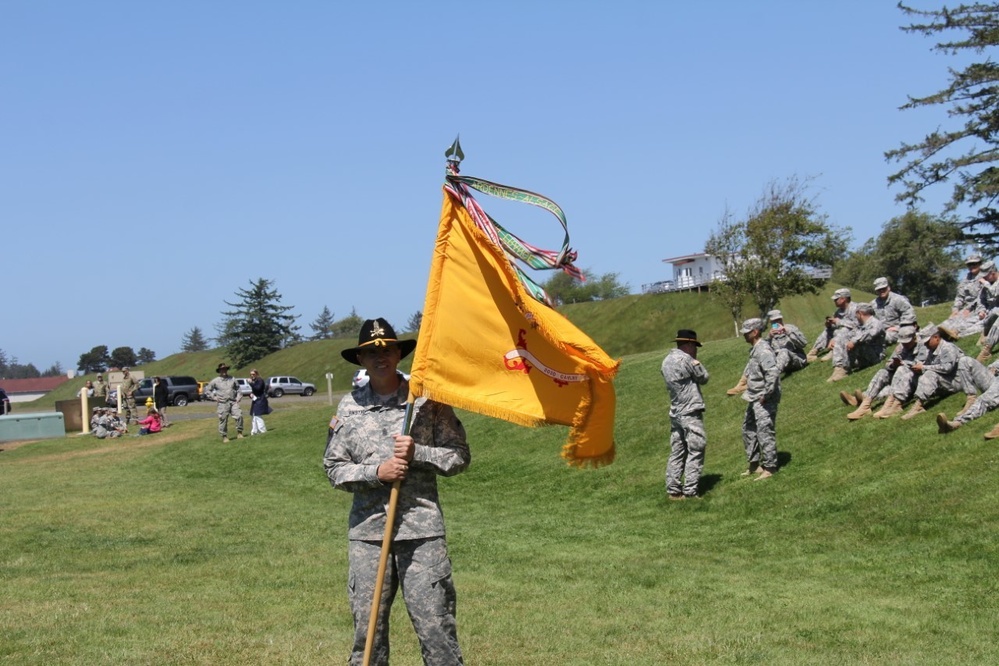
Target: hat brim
{"points": [[406, 348], [688, 340]]}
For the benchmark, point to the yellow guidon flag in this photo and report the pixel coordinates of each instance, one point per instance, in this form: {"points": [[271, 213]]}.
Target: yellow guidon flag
{"points": [[488, 346]]}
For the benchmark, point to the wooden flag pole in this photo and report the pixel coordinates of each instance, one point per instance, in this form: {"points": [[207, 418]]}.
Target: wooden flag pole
{"points": [[376, 598]]}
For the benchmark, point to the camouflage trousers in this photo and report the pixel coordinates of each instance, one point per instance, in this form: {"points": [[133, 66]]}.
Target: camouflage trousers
{"points": [[759, 433], [128, 408], [900, 382], [423, 569], [933, 383], [986, 402], [863, 355], [991, 331], [224, 411], [789, 361], [974, 377], [686, 457], [964, 325]]}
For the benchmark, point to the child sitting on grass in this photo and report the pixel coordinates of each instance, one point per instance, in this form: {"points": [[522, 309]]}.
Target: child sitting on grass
{"points": [[152, 423]]}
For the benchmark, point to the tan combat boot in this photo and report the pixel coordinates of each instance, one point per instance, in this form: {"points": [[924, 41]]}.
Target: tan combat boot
{"points": [[838, 374], [812, 355], [945, 426], [826, 358], [859, 395], [738, 388], [891, 407], [914, 411], [984, 355], [849, 399], [863, 410], [992, 434], [968, 402]]}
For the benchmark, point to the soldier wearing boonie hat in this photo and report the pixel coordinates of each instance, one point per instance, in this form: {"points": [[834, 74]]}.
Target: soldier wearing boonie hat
{"points": [[844, 319], [759, 436], [366, 455], [684, 375], [224, 390]]}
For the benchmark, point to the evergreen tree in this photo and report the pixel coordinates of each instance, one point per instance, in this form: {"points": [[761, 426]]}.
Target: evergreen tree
{"points": [[55, 370], [259, 325], [145, 356], [349, 326], [123, 357], [968, 152], [322, 326], [95, 360], [415, 320], [193, 341]]}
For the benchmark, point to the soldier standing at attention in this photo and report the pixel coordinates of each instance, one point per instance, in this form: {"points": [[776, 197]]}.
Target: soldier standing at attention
{"points": [[366, 453], [225, 391], [683, 375], [759, 434], [127, 392]]}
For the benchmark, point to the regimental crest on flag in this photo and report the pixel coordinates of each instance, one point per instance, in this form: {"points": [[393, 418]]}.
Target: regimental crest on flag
{"points": [[488, 345]]}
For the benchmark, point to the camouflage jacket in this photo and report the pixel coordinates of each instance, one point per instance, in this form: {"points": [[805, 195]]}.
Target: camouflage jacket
{"points": [[762, 374], [967, 294], [791, 339], [891, 309], [360, 439], [223, 389], [943, 360], [683, 374]]}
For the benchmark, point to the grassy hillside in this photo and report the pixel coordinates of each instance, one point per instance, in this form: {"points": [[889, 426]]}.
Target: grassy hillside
{"points": [[622, 326], [874, 544]]}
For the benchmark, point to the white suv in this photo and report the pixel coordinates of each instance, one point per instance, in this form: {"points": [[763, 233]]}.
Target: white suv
{"points": [[278, 386]]}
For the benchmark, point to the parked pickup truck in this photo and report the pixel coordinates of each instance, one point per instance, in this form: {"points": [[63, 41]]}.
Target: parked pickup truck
{"points": [[180, 390]]}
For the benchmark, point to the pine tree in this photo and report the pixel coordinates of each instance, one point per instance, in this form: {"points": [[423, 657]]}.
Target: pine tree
{"points": [[194, 341], [322, 327], [259, 325]]}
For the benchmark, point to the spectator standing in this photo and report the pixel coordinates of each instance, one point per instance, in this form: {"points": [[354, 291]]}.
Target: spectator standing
{"points": [[89, 388], [259, 407], [684, 375], [365, 455], [4, 403], [225, 392], [160, 399], [759, 431]]}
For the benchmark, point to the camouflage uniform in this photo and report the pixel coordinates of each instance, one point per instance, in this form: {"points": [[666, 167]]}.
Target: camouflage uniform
{"points": [[789, 347], [127, 392], [759, 427], [225, 391], [986, 402], [683, 375], [891, 311], [963, 319], [897, 377], [973, 377], [100, 389], [868, 345], [988, 312], [940, 372], [97, 424], [846, 321], [360, 439]]}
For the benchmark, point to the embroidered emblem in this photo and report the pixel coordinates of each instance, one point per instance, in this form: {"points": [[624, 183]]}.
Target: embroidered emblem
{"points": [[377, 331]]}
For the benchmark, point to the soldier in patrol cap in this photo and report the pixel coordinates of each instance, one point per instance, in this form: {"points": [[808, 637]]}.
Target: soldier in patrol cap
{"points": [[837, 326], [988, 309], [788, 343], [366, 454], [963, 318], [861, 347], [890, 308], [759, 435]]}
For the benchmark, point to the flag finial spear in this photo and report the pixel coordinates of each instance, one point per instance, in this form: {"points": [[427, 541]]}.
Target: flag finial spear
{"points": [[454, 154]]}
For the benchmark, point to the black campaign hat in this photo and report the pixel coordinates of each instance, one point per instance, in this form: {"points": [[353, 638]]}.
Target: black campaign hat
{"points": [[377, 333], [687, 335]]}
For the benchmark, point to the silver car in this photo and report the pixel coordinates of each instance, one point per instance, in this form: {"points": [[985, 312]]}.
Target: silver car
{"points": [[279, 385]]}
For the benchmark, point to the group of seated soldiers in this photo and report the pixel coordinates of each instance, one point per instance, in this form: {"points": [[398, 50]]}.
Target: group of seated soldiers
{"points": [[105, 423], [926, 364]]}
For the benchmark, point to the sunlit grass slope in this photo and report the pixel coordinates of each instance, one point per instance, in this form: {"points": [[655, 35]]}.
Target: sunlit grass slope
{"points": [[874, 544]]}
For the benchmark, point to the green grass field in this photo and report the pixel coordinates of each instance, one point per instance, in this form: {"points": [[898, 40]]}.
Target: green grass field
{"points": [[875, 544]]}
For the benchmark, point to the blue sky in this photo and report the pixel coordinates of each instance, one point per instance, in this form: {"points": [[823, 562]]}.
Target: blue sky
{"points": [[156, 157]]}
